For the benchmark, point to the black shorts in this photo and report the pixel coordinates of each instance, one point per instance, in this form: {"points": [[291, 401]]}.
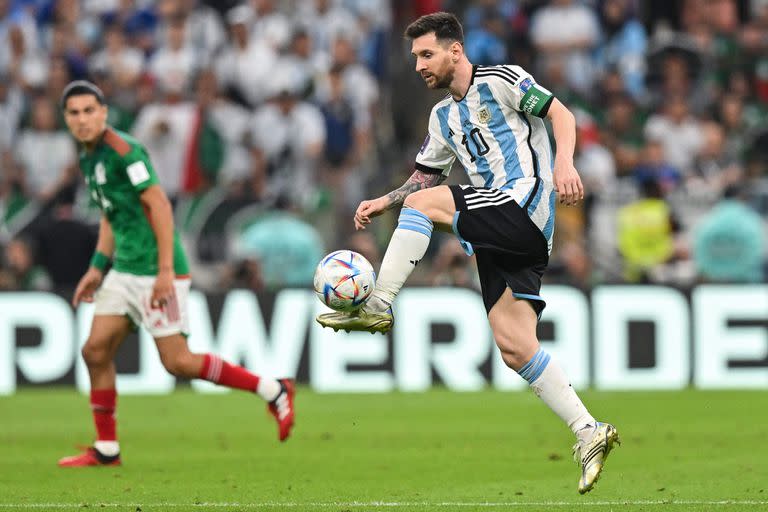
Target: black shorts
{"points": [[511, 250]]}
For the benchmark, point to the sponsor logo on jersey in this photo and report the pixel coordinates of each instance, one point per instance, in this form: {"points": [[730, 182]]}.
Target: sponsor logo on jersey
{"points": [[530, 103], [101, 173], [424, 145], [525, 85], [484, 115]]}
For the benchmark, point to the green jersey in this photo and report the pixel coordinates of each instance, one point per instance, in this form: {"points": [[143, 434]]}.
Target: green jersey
{"points": [[117, 171]]}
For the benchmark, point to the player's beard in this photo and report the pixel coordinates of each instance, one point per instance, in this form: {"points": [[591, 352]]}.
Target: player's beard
{"points": [[444, 81]]}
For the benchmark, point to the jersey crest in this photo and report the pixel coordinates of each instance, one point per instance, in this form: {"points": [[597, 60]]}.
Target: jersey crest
{"points": [[483, 114]]}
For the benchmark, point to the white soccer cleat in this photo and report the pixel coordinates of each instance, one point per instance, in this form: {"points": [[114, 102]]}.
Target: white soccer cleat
{"points": [[591, 454]]}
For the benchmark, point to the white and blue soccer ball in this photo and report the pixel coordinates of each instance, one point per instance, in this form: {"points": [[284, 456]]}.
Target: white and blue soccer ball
{"points": [[344, 280]]}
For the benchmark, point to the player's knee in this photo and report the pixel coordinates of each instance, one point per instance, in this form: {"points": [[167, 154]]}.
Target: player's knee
{"points": [[430, 203], [95, 353], [418, 200]]}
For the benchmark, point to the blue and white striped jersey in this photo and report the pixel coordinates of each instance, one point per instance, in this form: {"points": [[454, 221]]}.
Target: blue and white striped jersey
{"points": [[498, 135]]}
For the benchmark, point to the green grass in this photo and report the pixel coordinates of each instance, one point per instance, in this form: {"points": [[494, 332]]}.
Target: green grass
{"points": [[433, 451]]}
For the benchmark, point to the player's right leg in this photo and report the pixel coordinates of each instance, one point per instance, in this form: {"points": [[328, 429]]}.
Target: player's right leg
{"points": [[107, 332], [421, 211]]}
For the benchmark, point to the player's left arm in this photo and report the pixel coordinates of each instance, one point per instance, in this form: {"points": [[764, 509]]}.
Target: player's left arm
{"points": [[566, 178], [160, 215]]}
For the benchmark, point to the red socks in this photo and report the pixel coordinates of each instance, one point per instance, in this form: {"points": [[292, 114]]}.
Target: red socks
{"points": [[103, 407], [221, 372]]}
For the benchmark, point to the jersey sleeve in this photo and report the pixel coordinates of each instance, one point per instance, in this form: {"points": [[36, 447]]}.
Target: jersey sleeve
{"points": [[522, 93], [139, 169], [436, 155]]}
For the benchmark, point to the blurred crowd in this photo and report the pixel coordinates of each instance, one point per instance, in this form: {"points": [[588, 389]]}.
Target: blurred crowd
{"points": [[268, 121]]}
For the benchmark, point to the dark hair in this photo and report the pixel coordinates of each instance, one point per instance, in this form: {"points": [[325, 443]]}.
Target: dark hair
{"points": [[444, 24], [80, 88]]}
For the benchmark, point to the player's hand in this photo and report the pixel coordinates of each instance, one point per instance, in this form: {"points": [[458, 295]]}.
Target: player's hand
{"points": [[567, 183], [87, 286], [163, 291], [369, 209]]}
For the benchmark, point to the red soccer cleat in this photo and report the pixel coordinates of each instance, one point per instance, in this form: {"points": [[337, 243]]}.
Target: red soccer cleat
{"points": [[90, 457], [282, 408]]}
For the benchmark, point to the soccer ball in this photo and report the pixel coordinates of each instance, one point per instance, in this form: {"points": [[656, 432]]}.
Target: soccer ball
{"points": [[344, 280]]}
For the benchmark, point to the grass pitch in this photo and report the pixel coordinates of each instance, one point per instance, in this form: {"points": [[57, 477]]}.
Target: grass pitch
{"points": [[435, 451]]}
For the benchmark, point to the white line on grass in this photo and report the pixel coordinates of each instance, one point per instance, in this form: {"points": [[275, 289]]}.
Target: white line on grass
{"points": [[390, 504]]}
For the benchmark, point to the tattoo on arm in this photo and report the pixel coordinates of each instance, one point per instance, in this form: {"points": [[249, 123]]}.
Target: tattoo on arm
{"points": [[418, 181]]}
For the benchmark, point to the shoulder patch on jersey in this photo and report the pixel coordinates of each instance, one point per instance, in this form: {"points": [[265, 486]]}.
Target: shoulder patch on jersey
{"points": [[525, 85], [137, 172], [116, 142]]}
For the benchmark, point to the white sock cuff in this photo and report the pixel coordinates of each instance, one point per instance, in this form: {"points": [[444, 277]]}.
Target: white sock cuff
{"points": [[414, 220], [533, 369]]}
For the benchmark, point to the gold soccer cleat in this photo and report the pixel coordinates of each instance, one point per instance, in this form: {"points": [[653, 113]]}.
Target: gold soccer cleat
{"points": [[591, 455], [360, 320]]}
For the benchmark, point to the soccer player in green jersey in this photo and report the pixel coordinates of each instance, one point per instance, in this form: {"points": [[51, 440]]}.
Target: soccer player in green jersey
{"points": [[148, 283]]}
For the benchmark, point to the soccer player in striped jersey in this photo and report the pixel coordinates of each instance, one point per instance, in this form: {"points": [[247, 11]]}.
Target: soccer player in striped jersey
{"points": [[491, 121], [148, 283]]}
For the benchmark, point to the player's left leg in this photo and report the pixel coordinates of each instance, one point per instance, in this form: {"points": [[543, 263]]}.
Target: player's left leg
{"points": [[513, 322], [179, 361], [420, 213]]}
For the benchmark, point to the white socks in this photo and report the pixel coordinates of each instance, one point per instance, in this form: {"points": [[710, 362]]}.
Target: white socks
{"points": [[268, 389], [407, 246], [107, 448], [550, 383]]}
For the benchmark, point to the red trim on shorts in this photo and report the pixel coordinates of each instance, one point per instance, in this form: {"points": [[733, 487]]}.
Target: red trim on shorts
{"points": [[183, 276]]}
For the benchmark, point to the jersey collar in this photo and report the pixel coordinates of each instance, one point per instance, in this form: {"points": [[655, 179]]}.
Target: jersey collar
{"points": [[471, 82]]}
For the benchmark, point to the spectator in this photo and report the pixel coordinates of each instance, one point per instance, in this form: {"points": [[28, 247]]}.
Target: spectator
{"points": [[678, 132], [623, 133], [287, 137], [302, 63], [120, 62], [138, 23], [20, 271], [232, 124], [167, 129], [286, 248], [654, 168], [729, 243], [486, 44], [645, 233], [270, 26], [46, 157], [623, 45], [714, 167], [574, 45], [11, 105], [245, 65], [21, 61], [175, 62]]}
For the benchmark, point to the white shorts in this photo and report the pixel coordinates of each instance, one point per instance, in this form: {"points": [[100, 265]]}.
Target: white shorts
{"points": [[129, 294]]}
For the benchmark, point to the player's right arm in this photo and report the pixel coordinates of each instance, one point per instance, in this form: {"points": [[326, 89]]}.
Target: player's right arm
{"points": [[433, 163], [419, 180], [91, 280]]}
